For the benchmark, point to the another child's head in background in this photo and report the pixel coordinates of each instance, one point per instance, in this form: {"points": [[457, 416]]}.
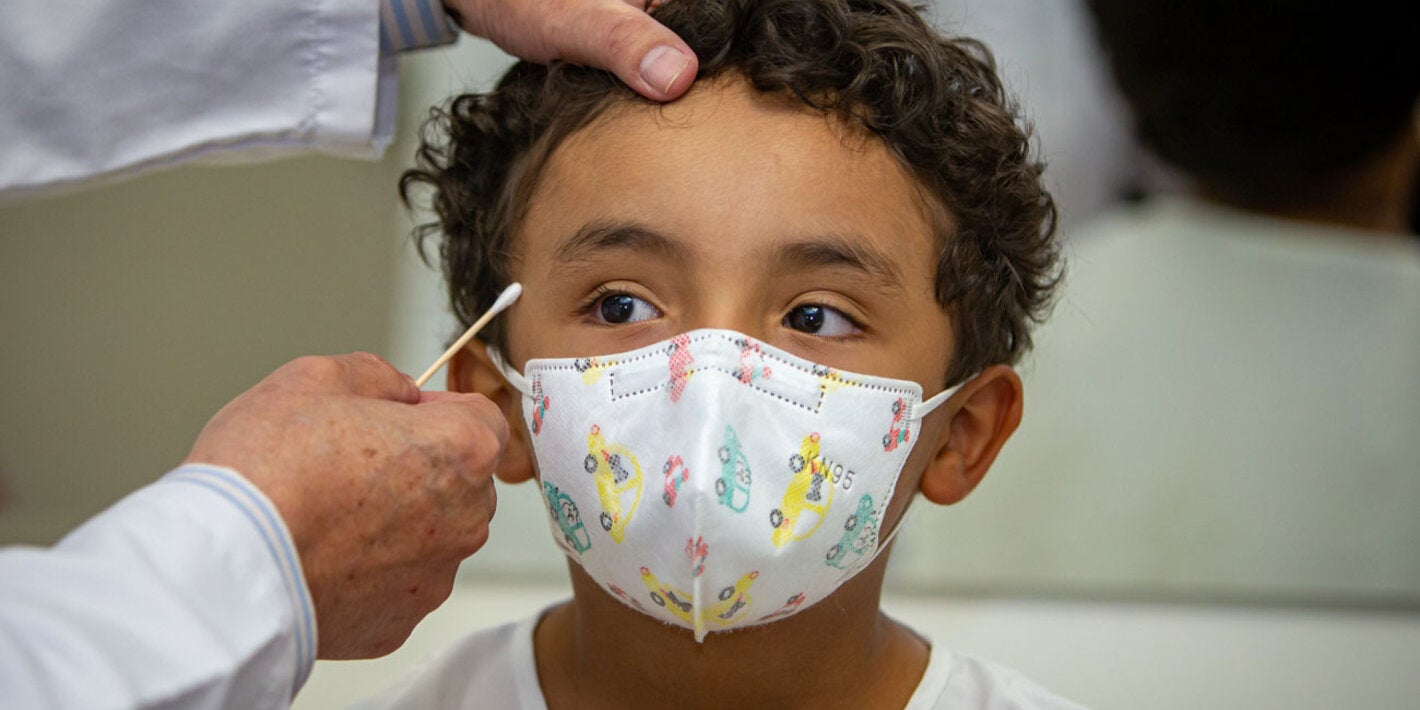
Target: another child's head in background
{"points": [[1296, 109], [841, 182]]}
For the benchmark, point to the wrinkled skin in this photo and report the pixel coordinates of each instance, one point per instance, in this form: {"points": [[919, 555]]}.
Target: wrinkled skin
{"points": [[616, 35], [384, 489]]}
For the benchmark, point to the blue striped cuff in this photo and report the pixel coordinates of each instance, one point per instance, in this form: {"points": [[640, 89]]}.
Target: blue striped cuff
{"points": [[262, 514], [414, 24]]}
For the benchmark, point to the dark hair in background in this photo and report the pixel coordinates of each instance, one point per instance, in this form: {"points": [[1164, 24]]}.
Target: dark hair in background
{"points": [[1264, 103], [936, 103]]}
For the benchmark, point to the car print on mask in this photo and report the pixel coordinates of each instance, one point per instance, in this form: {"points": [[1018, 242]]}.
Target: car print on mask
{"points": [[829, 379], [732, 487], [696, 550], [540, 405], [621, 594], [678, 359], [789, 607], [752, 365], [619, 482], [591, 368], [564, 512], [673, 600], [860, 536], [897, 432], [676, 475], [732, 601], [810, 492]]}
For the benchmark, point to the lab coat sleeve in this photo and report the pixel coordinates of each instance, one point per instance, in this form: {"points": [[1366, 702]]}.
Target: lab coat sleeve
{"points": [[106, 88], [186, 594]]}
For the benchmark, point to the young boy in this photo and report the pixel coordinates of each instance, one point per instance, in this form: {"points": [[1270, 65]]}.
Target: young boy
{"points": [[755, 323]]}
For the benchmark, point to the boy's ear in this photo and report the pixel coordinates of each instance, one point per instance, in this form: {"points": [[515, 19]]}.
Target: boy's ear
{"points": [[989, 413], [471, 370]]}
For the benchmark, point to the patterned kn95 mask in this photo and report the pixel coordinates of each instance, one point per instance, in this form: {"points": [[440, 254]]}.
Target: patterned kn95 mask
{"points": [[712, 481]]}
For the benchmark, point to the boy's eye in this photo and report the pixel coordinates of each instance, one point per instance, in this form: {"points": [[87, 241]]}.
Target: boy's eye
{"points": [[625, 308], [820, 320]]}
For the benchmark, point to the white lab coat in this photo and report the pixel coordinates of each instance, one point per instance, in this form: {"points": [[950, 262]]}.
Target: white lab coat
{"points": [[105, 88], [188, 593]]}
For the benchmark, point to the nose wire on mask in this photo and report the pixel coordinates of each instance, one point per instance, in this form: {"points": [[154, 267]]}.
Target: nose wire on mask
{"points": [[500, 304]]}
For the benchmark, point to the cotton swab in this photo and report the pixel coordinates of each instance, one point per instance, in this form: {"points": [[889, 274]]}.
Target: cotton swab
{"points": [[505, 299]]}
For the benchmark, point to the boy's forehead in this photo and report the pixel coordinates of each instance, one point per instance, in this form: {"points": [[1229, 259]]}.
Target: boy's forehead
{"points": [[725, 112], [727, 157]]}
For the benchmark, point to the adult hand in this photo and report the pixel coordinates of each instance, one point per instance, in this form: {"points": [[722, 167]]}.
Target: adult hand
{"points": [[385, 489], [616, 35]]}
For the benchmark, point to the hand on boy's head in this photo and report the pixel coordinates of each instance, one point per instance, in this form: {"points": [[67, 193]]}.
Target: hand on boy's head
{"points": [[385, 489], [616, 35]]}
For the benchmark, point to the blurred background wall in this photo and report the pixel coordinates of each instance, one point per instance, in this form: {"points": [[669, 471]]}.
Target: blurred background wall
{"points": [[133, 311]]}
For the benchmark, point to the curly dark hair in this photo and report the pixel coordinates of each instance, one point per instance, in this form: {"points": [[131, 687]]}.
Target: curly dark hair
{"points": [[936, 102]]}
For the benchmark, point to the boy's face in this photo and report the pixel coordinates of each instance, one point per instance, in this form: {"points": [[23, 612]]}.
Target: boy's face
{"points": [[732, 209]]}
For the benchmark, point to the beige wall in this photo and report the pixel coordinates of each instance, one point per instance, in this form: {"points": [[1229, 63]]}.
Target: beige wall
{"points": [[133, 311]]}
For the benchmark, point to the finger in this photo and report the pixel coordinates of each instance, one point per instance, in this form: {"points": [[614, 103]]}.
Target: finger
{"points": [[438, 589], [475, 419], [624, 40], [427, 396], [369, 375], [482, 505], [467, 405]]}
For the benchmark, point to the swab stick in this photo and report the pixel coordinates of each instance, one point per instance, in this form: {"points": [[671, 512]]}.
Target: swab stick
{"points": [[505, 299]]}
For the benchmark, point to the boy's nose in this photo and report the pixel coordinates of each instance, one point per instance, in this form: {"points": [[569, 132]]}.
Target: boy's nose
{"points": [[737, 309]]}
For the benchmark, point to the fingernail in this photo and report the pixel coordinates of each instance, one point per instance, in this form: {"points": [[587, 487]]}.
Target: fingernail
{"points": [[662, 66]]}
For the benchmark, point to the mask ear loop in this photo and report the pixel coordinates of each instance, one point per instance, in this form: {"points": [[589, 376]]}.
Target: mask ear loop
{"points": [[922, 409], [926, 406], [901, 523], [882, 543], [513, 377]]}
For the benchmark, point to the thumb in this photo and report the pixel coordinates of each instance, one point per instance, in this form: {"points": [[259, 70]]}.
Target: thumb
{"points": [[626, 41]]}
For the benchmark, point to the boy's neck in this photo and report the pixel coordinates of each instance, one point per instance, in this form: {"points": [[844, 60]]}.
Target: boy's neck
{"points": [[595, 652]]}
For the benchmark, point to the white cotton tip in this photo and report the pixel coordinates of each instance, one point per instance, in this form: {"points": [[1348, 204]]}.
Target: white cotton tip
{"points": [[506, 298]]}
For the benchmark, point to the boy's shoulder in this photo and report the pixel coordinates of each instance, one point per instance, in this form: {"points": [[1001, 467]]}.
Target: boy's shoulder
{"points": [[496, 668]]}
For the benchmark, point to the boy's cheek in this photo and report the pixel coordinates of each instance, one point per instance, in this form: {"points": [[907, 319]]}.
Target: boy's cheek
{"points": [[518, 463], [908, 483]]}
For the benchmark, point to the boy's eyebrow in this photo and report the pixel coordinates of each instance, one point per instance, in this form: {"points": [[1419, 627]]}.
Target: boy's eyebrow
{"points": [[818, 250], [841, 250], [599, 236]]}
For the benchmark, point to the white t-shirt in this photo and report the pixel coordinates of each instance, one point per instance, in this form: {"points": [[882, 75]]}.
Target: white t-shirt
{"points": [[495, 669]]}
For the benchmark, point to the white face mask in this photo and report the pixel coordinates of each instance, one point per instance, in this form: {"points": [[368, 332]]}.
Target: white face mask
{"points": [[713, 481]]}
